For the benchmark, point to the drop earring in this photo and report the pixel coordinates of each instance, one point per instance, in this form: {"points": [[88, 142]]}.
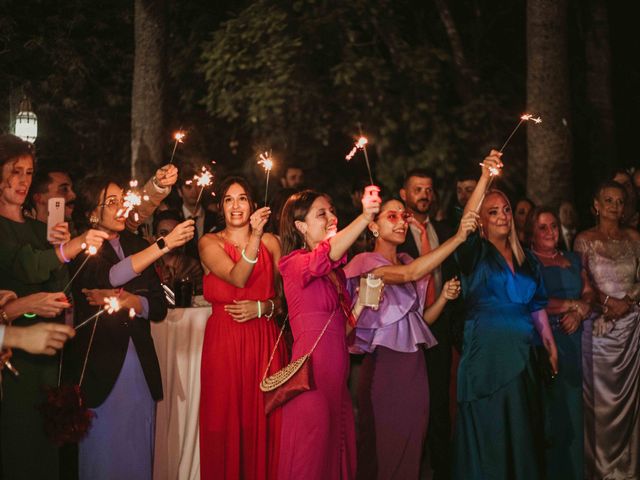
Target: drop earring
{"points": [[93, 220]]}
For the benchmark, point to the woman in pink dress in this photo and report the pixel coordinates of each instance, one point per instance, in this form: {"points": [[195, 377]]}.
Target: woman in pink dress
{"points": [[318, 432]]}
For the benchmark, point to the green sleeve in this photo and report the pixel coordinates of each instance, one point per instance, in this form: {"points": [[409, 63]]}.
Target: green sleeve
{"points": [[27, 264]]}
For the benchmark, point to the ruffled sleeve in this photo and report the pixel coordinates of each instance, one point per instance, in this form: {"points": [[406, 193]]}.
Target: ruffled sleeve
{"points": [[310, 265]]}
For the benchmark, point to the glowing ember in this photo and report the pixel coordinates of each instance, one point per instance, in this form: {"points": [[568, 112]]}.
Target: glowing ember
{"points": [[524, 118], [266, 161], [111, 305], [132, 199], [204, 179], [179, 136], [359, 145]]}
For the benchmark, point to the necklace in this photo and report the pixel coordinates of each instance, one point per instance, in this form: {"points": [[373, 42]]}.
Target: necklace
{"points": [[555, 253], [224, 236]]}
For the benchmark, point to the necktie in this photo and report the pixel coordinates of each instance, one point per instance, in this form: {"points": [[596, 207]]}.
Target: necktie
{"points": [[425, 247]]}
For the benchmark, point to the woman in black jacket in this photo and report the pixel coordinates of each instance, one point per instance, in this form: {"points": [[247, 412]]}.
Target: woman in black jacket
{"points": [[113, 357]]}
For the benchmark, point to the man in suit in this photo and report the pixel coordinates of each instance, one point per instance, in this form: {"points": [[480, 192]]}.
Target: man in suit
{"points": [[568, 225], [418, 194]]}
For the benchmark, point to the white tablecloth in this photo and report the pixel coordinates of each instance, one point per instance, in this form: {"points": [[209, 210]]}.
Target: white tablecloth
{"points": [[178, 342]]}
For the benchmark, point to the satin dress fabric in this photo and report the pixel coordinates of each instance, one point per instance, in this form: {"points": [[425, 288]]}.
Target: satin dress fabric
{"points": [[611, 365]]}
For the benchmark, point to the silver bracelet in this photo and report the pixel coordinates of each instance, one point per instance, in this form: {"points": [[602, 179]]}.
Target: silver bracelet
{"points": [[273, 309], [247, 259]]}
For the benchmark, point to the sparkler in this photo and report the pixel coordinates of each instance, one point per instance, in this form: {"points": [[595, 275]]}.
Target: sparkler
{"points": [[361, 144], [179, 138], [91, 251], [132, 199], [266, 161], [111, 305], [493, 172], [203, 180], [524, 118]]}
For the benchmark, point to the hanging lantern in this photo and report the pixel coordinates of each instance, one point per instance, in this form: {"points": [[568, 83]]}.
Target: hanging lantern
{"points": [[26, 122]]}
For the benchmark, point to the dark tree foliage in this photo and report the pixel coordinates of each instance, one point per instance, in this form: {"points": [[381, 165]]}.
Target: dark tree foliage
{"points": [[73, 59], [300, 77]]}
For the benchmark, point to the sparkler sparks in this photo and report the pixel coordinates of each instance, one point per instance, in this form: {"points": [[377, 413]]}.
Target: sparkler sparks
{"points": [[266, 161], [178, 137], [111, 305], [132, 199], [361, 144], [524, 118], [205, 179]]}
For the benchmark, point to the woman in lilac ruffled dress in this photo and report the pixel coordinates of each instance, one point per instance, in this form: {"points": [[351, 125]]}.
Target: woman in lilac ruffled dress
{"points": [[393, 392]]}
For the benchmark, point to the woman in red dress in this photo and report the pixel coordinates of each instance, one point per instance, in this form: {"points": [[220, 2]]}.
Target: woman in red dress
{"points": [[237, 439]]}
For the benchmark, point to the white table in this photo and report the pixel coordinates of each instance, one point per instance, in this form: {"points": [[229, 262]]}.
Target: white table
{"points": [[178, 340]]}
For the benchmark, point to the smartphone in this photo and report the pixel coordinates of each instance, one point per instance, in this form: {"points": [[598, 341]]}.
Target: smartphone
{"points": [[55, 215]]}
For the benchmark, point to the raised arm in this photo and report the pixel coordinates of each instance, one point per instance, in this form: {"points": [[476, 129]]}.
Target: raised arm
{"points": [[216, 260], [396, 274], [490, 162], [346, 237]]}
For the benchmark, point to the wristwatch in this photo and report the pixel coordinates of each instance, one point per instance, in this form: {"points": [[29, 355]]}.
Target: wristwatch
{"points": [[162, 245]]}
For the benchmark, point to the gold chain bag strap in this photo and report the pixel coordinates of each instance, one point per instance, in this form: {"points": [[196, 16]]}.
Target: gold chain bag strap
{"points": [[293, 379]]}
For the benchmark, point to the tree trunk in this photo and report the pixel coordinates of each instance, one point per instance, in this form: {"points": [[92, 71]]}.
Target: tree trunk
{"points": [[147, 102], [549, 179], [467, 79], [601, 131]]}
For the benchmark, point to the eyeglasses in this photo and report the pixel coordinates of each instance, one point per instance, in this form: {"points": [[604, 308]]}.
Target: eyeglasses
{"points": [[112, 202], [394, 216]]}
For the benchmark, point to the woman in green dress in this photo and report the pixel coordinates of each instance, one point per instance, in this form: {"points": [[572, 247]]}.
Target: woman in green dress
{"points": [[29, 264], [497, 434]]}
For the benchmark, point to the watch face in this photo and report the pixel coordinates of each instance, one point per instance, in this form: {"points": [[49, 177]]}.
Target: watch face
{"points": [[161, 243]]}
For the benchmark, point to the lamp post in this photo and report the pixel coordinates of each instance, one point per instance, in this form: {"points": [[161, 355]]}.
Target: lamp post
{"points": [[26, 126]]}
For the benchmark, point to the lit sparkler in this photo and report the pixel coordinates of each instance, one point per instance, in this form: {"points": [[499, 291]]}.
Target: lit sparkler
{"points": [[111, 305], [493, 172], [91, 251], [179, 138], [361, 144], [203, 180], [132, 199], [266, 161], [524, 118]]}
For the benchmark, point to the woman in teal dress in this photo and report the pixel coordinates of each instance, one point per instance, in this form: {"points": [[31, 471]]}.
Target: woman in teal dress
{"points": [[570, 298], [497, 432]]}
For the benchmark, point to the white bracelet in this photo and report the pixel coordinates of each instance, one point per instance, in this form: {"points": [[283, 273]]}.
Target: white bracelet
{"points": [[259, 309], [273, 309], [247, 259]]}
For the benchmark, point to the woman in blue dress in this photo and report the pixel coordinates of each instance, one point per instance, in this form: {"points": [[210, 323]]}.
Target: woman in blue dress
{"points": [[570, 298], [497, 434]]}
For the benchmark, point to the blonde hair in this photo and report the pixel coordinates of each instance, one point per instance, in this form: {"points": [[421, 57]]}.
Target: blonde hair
{"points": [[514, 243]]}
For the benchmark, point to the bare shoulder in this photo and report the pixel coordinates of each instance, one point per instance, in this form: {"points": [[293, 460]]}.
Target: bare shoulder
{"points": [[272, 242], [210, 240], [588, 235], [632, 234]]}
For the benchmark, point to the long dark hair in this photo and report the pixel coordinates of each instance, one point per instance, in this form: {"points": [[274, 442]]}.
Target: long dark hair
{"points": [[226, 184], [296, 209], [90, 193]]}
